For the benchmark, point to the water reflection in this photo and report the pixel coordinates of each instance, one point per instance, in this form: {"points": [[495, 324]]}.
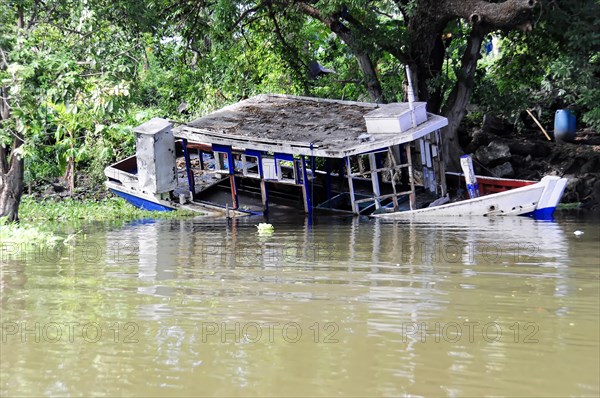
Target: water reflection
{"points": [[166, 250], [340, 306]]}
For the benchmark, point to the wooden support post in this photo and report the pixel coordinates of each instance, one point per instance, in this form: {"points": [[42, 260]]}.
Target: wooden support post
{"points": [[441, 164], [351, 186], [392, 172], [328, 177], [375, 179], [411, 176], [188, 169], [264, 192], [306, 188], [234, 195], [232, 180]]}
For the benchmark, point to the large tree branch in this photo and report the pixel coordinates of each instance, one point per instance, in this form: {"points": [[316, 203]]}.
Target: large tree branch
{"points": [[3, 162], [510, 14], [430, 18], [362, 56], [381, 40], [378, 38], [243, 16], [295, 60]]}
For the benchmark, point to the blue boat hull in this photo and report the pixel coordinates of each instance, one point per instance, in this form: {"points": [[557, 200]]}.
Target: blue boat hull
{"points": [[546, 214], [141, 203]]}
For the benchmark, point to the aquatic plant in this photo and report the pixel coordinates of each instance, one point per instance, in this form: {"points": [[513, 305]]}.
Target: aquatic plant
{"points": [[90, 210], [265, 228], [19, 234]]}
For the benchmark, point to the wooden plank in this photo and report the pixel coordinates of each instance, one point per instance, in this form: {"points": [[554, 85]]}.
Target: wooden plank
{"points": [[538, 124], [364, 200], [232, 181], [359, 174], [264, 195], [391, 195]]}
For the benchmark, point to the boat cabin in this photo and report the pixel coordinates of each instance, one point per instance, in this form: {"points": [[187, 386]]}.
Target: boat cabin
{"points": [[330, 155], [309, 154]]}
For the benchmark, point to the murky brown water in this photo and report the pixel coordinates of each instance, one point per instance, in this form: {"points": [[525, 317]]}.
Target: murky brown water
{"points": [[358, 307]]}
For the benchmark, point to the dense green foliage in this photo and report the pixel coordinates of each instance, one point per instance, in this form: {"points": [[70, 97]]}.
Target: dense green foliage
{"points": [[557, 65], [81, 74], [90, 210]]}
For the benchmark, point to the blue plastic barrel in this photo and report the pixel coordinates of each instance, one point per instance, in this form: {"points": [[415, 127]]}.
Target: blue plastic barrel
{"points": [[564, 125]]}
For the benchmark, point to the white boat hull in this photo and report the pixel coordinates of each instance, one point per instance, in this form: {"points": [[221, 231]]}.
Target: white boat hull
{"points": [[539, 200]]}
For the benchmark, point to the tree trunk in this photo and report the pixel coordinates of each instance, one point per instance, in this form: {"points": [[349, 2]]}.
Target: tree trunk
{"points": [[365, 63], [11, 163], [428, 50], [373, 85], [456, 105], [11, 184]]}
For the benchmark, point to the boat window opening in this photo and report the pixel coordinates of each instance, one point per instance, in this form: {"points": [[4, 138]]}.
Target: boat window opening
{"points": [[287, 171], [221, 163], [250, 166]]}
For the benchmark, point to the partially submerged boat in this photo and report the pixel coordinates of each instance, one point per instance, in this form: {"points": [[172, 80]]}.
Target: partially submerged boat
{"points": [[313, 155]]}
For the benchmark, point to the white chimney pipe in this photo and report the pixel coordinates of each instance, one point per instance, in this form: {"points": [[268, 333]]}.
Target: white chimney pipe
{"points": [[411, 97]]}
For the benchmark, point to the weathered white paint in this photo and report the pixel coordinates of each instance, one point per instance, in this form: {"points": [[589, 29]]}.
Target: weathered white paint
{"points": [[155, 151], [395, 118], [545, 193]]}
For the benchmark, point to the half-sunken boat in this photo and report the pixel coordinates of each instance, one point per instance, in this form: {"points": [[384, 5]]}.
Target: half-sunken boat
{"points": [[314, 155]]}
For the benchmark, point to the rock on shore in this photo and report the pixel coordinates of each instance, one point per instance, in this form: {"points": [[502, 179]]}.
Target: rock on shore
{"points": [[499, 150]]}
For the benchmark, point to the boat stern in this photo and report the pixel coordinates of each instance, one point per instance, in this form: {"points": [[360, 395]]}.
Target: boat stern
{"points": [[550, 198]]}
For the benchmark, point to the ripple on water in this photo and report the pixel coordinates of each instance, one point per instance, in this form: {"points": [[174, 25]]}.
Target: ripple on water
{"points": [[366, 287]]}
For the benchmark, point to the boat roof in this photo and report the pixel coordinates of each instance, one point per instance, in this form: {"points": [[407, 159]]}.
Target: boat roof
{"points": [[300, 126]]}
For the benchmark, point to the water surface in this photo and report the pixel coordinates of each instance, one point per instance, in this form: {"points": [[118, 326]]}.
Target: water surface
{"points": [[361, 307]]}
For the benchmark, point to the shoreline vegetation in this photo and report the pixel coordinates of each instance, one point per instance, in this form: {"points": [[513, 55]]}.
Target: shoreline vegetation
{"points": [[75, 84], [38, 216], [107, 209]]}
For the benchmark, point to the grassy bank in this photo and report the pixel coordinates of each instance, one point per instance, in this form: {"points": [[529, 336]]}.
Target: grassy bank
{"points": [[108, 209], [39, 218]]}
